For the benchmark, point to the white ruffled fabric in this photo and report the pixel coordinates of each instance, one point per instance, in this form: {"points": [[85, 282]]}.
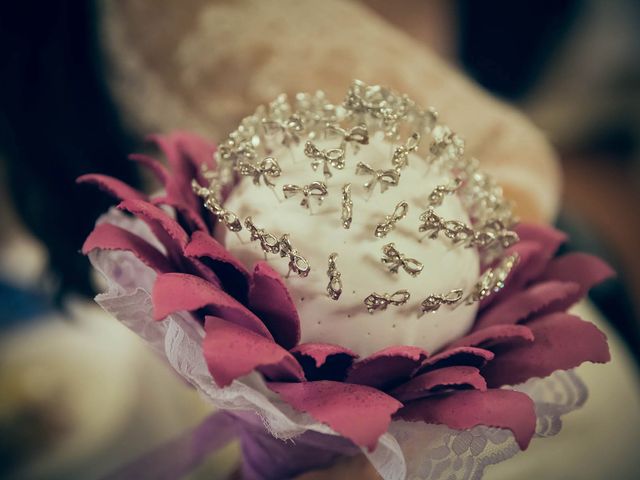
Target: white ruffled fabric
{"points": [[409, 450]]}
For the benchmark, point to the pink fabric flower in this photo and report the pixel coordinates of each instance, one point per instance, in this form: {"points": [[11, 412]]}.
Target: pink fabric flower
{"points": [[251, 322]]}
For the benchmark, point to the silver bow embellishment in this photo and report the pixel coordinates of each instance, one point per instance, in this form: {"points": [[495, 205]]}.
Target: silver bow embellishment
{"points": [[433, 224], [314, 189], [334, 287], [386, 178], [347, 207], [433, 302], [400, 158], [265, 169], [268, 242], [357, 135], [389, 223], [297, 263], [375, 301], [211, 203], [332, 157], [395, 260], [436, 197], [291, 129]]}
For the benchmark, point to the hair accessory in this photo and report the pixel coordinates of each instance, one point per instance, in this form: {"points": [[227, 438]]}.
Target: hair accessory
{"points": [[386, 178], [334, 288], [314, 189], [389, 223], [230, 219], [400, 158], [268, 242], [434, 302], [347, 206], [376, 301], [436, 197], [265, 169], [297, 263], [394, 260], [333, 157]]}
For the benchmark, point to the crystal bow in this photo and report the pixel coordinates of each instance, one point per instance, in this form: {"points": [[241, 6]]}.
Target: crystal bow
{"points": [[389, 223], [314, 189], [265, 169], [297, 263], [333, 157], [386, 178], [396, 260], [400, 158], [375, 301], [211, 203], [434, 302]]}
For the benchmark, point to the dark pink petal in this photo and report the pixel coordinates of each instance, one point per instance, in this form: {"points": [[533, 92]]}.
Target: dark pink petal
{"points": [[173, 292], [232, 351], [525, 303], [495, 335], [158, 169], [458, 377], [467, 409], [185, 153], [112, 186], [324, 361], [111, 237], [547, 237], [360, 413], [232, 274], [537, 246], [387, 367], [580, 268], [530, 261], [561, 341], [165, 228], [469, 356], [190, 217], [270, 299]]}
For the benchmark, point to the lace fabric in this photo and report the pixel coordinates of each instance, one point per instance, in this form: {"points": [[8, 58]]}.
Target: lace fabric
{"points": [[409, 450]]}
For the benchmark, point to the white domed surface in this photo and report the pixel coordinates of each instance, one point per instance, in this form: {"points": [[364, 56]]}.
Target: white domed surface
{"points": [[315, 235]]}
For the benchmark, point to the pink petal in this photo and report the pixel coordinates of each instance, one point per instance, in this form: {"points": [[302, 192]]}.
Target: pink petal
{"points": [[561, 341], [581, 268], [232, 351], [173, 292], [537, 246], [111, 237], [324, 361], [437, 380], [529, 260], [495, 335], [360, 413], [112, 186], [548, 238], [185, 153], [467, 409], [158, 169], [190, 218], [270, 299], [231, 272], [523, 304], [387, 367], [165, 228], [469, 356]]}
